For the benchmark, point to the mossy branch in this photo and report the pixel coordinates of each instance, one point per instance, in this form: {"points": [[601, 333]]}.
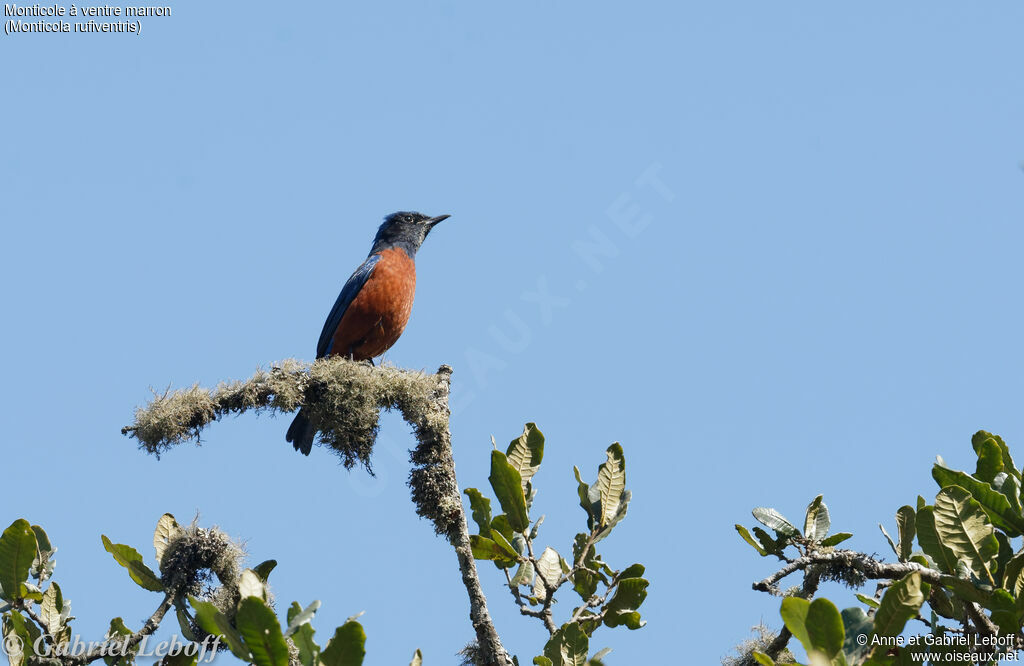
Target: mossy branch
{"points": [[343, 400]]}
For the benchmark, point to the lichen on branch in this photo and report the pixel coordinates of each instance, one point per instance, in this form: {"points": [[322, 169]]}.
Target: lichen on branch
{"points": [[343, 400]]}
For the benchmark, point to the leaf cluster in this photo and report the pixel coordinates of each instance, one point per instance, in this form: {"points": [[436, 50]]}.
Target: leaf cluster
{"points": [[959, 573], [609, 597], [238, 613]]}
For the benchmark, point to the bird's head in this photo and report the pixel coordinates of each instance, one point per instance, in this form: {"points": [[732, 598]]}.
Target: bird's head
{"points": [[404, 230]]}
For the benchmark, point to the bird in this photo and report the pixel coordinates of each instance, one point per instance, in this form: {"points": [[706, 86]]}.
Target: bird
{"points": [[374, 305]]}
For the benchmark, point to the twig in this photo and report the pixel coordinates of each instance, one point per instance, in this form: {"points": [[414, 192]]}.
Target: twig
{"points": [[865, 564], [27, 609], [985, 625], [104, 649], [523, 608]]}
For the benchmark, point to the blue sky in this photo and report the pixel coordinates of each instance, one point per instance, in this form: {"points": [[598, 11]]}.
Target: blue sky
{"points": [[818, 294]]}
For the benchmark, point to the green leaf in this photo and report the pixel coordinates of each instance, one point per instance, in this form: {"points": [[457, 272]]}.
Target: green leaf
{"points": [[995, 503], [942, 604], [583, 490], [774, 520], [620, 513], [51, 607], [481, 507], [295, 620], [762, 658], [15, 638], [901, 602], [1012, 578], [990, 460], [524, 575], [42, 566], [856, 623], [215, 623], [978, 440], [27, 631], [347, 647], [542, 661], [632, 571], [1003, 556], [825, 627], [166, 529], [503, 543], [119, 630], [526, 452], [930, 543], [17, 550], [264, 568], [309, 651], [621, 610], [584, 582], [611, 481], [417, 659], [1004, 612], [43, 541], [508, 488], [816, 520], [794, 614], [749, 539], [870, 601], [261, 632], [500, 524], [906, 521], [568, 646], [964, 528], [549, 567], [130, 559], [836, 539], [184, 624], [488, 549], [536, 527], [250, 585], [1009, 487], [293, 611], [774, 545]]}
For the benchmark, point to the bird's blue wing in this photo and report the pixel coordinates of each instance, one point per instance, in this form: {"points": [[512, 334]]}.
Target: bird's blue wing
{"points": [[345, 298]]}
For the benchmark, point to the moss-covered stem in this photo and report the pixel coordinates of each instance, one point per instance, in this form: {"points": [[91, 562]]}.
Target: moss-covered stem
{"points": [[439, 442]]}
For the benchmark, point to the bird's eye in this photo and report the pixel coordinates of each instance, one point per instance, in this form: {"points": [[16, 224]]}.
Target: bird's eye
{"points": [[408, 218]]}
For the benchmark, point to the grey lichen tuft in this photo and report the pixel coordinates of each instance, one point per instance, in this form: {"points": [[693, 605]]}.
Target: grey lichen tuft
{"points": [[197, 555], [175, 417], [471, 655], [841, 572], [760, 640]]}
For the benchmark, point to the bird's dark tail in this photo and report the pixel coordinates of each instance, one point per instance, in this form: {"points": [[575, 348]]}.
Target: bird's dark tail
{"points": [[301, 433]]}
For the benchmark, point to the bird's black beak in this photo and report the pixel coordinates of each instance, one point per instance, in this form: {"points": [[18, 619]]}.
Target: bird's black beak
{"points": [[434, 221]]}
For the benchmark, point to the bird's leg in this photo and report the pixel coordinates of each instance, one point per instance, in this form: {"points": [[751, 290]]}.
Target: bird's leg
{"points": [[352, 355]]}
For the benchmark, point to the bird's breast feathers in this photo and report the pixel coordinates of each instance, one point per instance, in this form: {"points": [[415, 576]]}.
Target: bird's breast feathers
{"points": [[377, 315]]}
